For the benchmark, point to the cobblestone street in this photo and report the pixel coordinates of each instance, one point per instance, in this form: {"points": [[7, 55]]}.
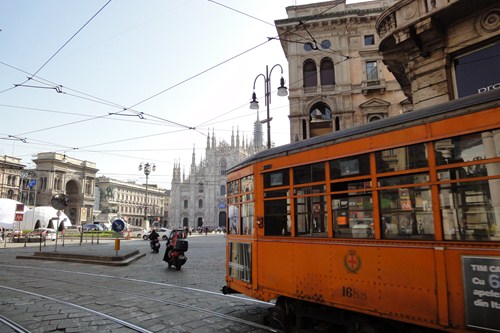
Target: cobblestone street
{"points": [[144, 296]]}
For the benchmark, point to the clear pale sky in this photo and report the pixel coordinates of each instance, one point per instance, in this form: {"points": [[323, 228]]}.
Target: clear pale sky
{"points": [[187, 66]]}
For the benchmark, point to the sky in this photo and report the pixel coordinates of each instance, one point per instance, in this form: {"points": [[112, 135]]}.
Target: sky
{"points": [[122, 82]]}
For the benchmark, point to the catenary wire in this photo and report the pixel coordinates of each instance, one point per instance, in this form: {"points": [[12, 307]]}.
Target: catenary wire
{"points": [[191, 78]]}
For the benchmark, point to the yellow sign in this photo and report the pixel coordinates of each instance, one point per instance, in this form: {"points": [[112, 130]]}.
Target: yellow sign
{"points": [[83, 214]]}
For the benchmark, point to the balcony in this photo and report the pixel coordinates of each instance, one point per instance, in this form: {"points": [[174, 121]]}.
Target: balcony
{"points": [[368, 86]]}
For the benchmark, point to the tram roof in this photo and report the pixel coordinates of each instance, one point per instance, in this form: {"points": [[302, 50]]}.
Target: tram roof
{"points": [[432, 113]]}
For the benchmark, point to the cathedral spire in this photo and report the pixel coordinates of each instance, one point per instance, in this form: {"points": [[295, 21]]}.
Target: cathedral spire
{"points": [[193, 161], [208, 140], [257, 134], [237, 137], [232, 137], [213, 139]]}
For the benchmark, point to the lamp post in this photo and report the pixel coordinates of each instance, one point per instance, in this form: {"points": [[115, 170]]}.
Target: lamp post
{"points": [[282, 91], [148, 168]]}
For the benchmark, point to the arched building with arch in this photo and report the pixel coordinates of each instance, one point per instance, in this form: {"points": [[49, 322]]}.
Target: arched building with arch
{"points": [[337, 79], [58, 173]]}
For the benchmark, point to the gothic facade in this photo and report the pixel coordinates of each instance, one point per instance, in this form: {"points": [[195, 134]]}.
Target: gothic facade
{"points": [[199, 199]]}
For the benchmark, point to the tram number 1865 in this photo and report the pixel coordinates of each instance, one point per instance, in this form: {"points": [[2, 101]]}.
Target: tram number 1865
{"points": [[354, 293]]}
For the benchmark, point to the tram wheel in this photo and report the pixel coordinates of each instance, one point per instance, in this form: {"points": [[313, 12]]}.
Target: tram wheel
{"points": [[301, 321], [370, 328], [278, 317]]}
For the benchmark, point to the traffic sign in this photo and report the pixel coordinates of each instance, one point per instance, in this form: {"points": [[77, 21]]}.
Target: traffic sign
{"points": [[118, 225]]}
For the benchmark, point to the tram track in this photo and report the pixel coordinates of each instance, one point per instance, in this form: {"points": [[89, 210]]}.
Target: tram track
{"points": [[15, 327], [162, 296]]}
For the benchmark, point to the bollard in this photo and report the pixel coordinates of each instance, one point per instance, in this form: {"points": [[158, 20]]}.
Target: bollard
{"points": [[117, 246]]}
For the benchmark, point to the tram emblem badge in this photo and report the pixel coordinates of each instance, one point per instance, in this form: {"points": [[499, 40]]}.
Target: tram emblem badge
{"points": [[352, 262]]}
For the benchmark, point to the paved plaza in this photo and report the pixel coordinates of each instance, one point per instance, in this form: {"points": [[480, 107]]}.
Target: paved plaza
{"points": [[142, 296]]}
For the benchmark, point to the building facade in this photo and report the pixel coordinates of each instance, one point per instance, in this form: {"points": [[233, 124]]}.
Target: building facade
{"points": [[441, 50], [127, 200], [337, 78], [199, 199], [10, 177], [57, 173]]}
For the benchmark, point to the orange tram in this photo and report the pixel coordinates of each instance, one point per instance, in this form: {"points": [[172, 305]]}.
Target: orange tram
{"points": [[393, 226]]}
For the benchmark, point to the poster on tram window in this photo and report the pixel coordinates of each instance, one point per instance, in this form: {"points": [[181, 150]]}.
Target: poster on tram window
{"points": [[404, 199], [482, 292]]}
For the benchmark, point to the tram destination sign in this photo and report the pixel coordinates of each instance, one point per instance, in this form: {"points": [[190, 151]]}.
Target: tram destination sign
{"points": [[482, 292]]}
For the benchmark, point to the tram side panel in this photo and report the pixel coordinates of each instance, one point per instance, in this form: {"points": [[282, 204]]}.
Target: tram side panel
{"points": [[473, 280], [394, 282]]}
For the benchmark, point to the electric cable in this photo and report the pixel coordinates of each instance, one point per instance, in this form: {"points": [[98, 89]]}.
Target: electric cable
{"points": [[74, 35], [192, 78]]}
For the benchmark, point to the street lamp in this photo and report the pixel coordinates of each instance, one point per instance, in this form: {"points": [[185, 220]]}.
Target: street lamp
{"points": [[282, 91], [148, 168]]}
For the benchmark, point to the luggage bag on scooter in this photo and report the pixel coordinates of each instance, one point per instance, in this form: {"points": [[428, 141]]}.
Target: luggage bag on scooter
{"points": [[181, 245]]}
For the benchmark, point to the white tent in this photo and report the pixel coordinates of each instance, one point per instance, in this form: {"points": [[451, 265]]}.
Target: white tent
{"points": [[44, 217], [8, 213]]}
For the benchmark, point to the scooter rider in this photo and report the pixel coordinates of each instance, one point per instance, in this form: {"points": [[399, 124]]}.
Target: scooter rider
{"points": [[154, 241], [170, 245], [154, 235]]}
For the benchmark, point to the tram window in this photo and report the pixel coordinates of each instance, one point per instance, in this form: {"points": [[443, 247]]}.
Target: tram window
{"points": [[233, 187], [248, 196], [404, 179], [240, 261], [247, 184], [278, 178], [247, 214], [276, 193], [310, 212], [350, 166], [406, 213], [233, 200], [349, 186], [402, 158], [309, 173], [234, 222], [352, 215], [469, 171], [468, 212], [464, 148], [277, 220]]}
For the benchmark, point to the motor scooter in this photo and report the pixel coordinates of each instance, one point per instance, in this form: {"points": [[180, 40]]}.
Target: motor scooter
{"points": [[177, 245], [154, 243]]}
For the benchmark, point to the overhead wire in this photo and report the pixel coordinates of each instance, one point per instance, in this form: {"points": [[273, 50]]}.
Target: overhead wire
{"points": [[59, 87], [169, 88], [278, 37], [74, 35]]}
